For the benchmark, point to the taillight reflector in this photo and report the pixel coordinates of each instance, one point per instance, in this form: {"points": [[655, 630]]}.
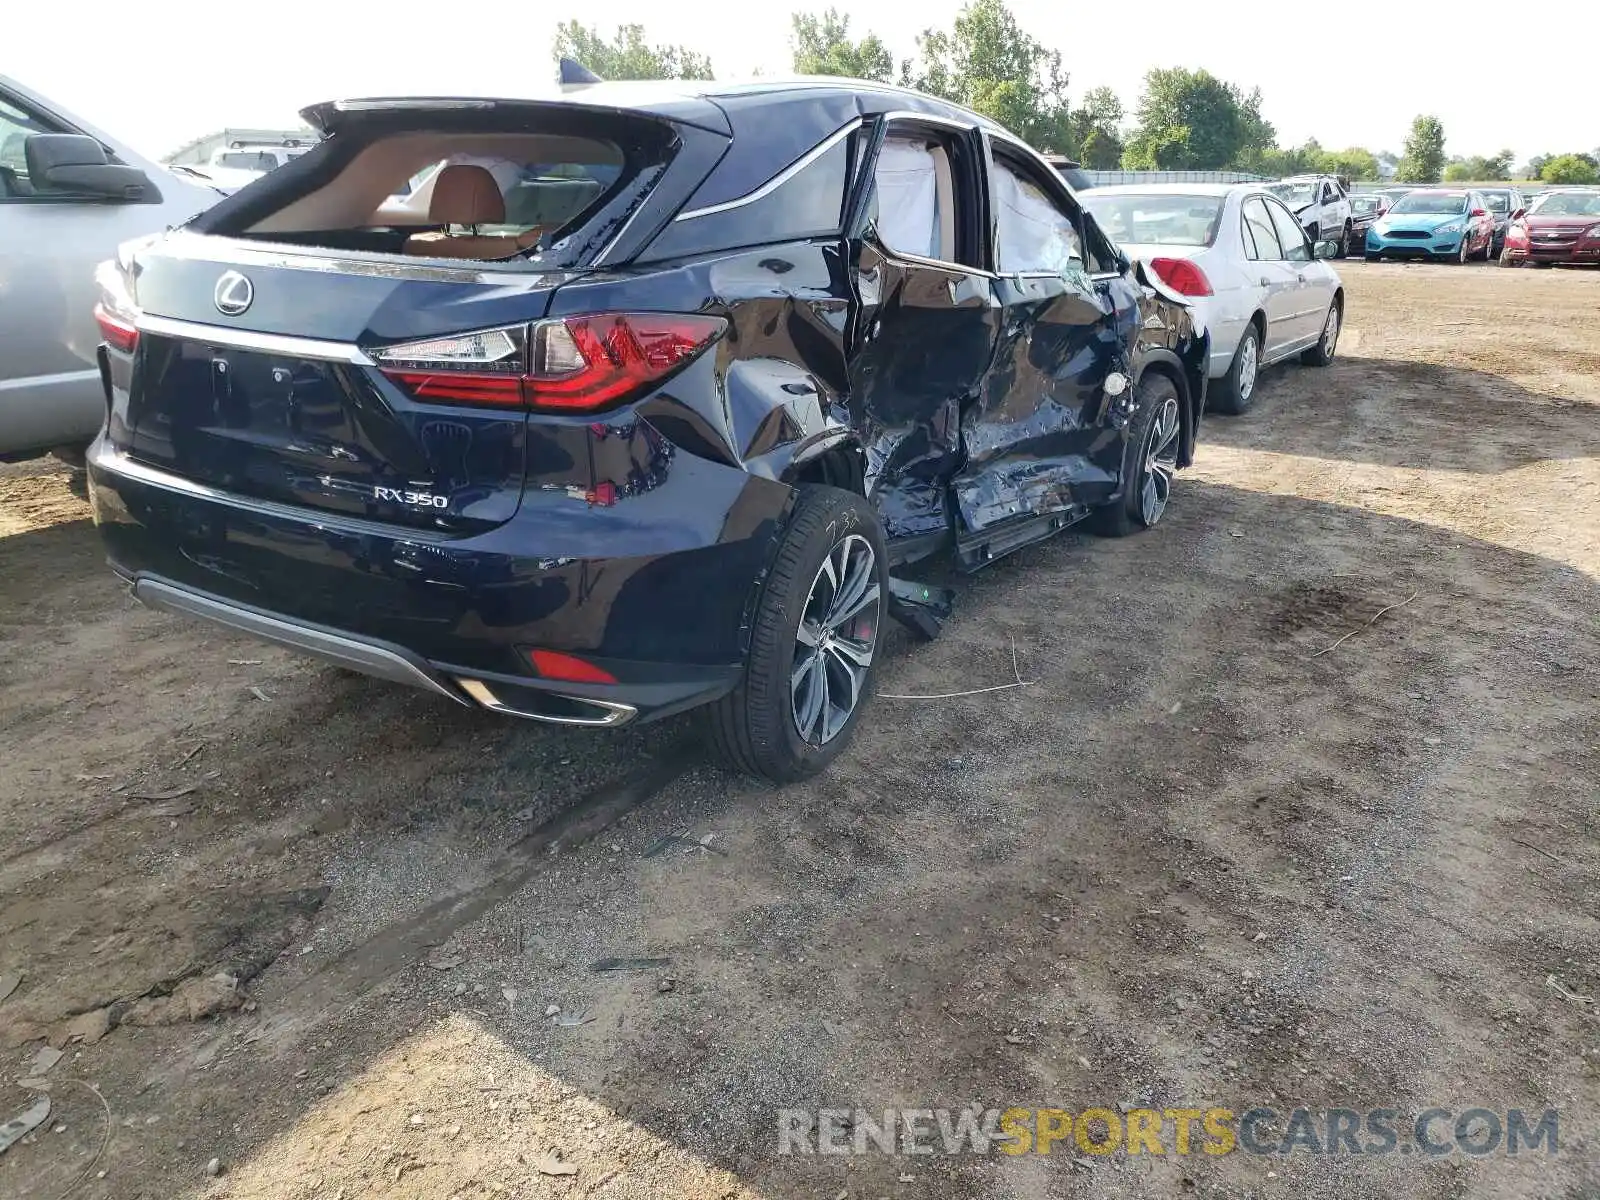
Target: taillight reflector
{"points": [[1182, 276], [120, 334], [552, 664], [572, 364], [461, 387]]}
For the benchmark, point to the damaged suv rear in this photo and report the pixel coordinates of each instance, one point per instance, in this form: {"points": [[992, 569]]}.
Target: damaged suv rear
{"points": [[602, 408]]}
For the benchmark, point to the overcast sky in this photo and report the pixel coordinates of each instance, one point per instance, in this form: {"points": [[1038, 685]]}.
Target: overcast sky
{"points": [[159, 73]]}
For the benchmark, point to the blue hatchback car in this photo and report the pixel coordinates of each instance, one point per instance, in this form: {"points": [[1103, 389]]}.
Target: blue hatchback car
{"points": [[1451, 225]]}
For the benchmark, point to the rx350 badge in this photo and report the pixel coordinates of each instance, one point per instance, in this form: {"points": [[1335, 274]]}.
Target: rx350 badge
{"points": [[415, 499]]}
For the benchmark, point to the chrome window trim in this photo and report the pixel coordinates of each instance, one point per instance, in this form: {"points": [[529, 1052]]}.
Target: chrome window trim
{"points": [[778, 180], [249, 339]]}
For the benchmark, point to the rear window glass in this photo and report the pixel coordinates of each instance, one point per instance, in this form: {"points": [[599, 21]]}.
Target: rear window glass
{"points": [[1157, 220], [246, 160], [1362, 205], [482, 193]]}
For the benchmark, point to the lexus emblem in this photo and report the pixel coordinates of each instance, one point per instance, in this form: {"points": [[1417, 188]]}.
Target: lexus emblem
{"points": [[233, 295]]}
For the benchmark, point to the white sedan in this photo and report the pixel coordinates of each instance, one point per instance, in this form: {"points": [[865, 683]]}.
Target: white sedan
{"points": [[1246, 266]]}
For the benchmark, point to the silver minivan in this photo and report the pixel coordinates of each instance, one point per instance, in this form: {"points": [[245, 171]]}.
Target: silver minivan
{"points": [[69, 195]]}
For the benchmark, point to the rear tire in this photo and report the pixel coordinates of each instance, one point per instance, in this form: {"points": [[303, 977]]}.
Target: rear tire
{"points": [[1150, 460], [1344, 242], [1236, 391], [1321, 354], [805, 661]]}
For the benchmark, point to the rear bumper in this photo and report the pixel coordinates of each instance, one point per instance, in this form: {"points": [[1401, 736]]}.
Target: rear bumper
{"points": [[665, 614]]}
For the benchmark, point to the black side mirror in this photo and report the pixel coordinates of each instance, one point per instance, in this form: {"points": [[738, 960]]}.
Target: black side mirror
{"points": [[74, 164], [1518, 213]]}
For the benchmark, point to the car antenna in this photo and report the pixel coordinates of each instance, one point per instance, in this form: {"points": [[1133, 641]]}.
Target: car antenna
{"points": [[573, 74]]}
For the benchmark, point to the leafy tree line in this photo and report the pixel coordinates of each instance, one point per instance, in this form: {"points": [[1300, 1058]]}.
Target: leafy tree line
{"points": [[1185, 120]]}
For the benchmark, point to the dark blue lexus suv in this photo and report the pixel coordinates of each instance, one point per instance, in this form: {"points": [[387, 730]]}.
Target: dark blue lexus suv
{"points": [[628, 401]]}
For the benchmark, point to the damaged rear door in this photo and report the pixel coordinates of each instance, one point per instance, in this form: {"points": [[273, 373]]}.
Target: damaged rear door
{"points": [[1038, 453], [926, 325]]}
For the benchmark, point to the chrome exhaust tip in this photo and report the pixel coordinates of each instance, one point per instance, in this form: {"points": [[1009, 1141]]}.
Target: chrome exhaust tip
{"points": [[551, 707]]}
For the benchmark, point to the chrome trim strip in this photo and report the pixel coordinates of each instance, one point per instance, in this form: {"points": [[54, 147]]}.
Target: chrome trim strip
{"points": [[249, 339], [781, 178], [355, 654], [613, 714], [977, 122], [116, 461]]}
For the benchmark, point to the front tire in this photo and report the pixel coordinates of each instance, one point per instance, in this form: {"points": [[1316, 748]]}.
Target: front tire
{"points": [[813, 644], [1236, 390], [1344, 242], [1150, 462]]}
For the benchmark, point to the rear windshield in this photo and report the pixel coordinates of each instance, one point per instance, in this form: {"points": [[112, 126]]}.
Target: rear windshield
{"points": [[1498, 201], [1362, 205], [1567, 204], [482, 194], [242, 160], [1156, 220], [1434, 204]]}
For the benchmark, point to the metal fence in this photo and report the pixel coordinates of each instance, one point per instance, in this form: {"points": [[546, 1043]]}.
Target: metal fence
{"points": [[1106, 178]]}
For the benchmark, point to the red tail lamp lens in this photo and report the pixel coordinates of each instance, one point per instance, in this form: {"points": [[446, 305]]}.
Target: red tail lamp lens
{"points": [[1182, 276], [119, 333], [552, 664], [572, 364]]}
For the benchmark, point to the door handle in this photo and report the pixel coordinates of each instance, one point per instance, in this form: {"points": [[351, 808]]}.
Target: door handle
{"points": [[1265, 282], [1301, 278]]}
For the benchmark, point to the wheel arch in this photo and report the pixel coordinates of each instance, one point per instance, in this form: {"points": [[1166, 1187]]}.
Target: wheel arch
{"points": [[1191, 394]]}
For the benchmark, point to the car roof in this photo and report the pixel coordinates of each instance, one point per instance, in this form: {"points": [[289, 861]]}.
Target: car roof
{"points": [[772, 123], [708, 103]]}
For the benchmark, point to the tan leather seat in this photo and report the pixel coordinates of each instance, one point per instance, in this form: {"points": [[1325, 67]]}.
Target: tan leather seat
{"points": [[467, 196]]}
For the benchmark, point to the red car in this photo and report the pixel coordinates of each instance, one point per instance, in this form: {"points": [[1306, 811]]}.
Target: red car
{"points": [[1559, 227]]}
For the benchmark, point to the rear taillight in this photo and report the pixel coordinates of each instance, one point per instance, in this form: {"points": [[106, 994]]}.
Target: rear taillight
{"points": [[1182, 276], [115, 311], [573, 364], [119, 332]]}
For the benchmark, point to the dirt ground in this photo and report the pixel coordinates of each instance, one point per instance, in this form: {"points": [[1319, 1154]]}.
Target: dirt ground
{"points": [[1203, 860]]}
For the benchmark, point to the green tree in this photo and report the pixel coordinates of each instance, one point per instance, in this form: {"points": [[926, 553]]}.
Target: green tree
{"points": [[1423, 160], [1101, 150], [628, 55], [823, 46], [1191, 120], [1477, 168], [989, 63], [1569, 168]]}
